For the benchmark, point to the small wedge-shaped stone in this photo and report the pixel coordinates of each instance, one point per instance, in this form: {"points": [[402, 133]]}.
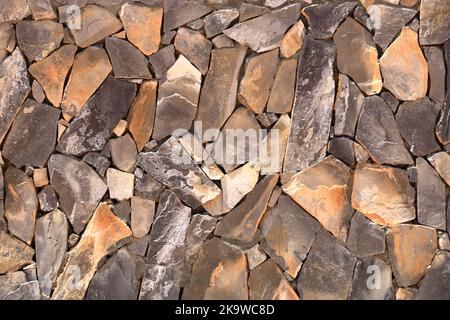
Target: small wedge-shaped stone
{"points": [[181, 12], [436, 282], [378, 132], [79, 188], [123, 153], [14, 254], [127, 61], [14, 10], [97, 24], [266, 282], [6, 37], [118, 278], [195, 47], [283, 89], [411, 250], [21, 204], [383, 194], [404, 68], [14, 88], [347, 107], [218, 21], [52, 71], [51, 246], [200, 228], [92, 127], [365, 238], [141, 117], [357, 56], [328, 270], [431, 200], [324, 190], [166, 250], [388, 22], [288, 234], [31, 139], [241, 224], [416, 121], [293, 40], [312, 115], [434, 21], [368, 287], [37, 39], [90, 68], [265, 33], [104, 234], [142, 212], [324, 18], [219, 273], [171, 166], [257, 81], [436, 68], [177, 99], [441, 162], [220, 88], [15, 286]]}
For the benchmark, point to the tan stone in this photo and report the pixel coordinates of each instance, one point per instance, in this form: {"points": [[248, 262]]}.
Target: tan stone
{"points": [[324, 190], [441, 162], [104, 234], [52, 71], [14, 254], [40, 177], [383, 194], [404, 68], [119, 130], [90, 68], [283, 90], [293, 40], [142, 212], [143, 26], [120, 184]]}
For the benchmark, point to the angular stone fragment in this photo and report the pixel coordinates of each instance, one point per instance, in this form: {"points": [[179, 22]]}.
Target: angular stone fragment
{"points": [[37, 39], [411, 250], [313, 188], [51, 246], [267, 119], [255, 256], [6, 35], [97, 24], [248, 11], [441, 162], [14, 10], [200, 228], [241, 224], [118, 279], [120, 184], [292, 40], [265, 33], [365, 238], [357, 56], [344, 149], [79, 188], [47, 199], [195, 47], [431, 200], [220, 88], [404, 68], [42, 9], [15, 286], [325, 18], [219, 273], [383, 194], [257, 81], [347, 107], [162, 60], [360, 14], [283, 89], [288, 233], [311, 117], [92, 127], [21, 204], [183, 12], [237, 184], [327, 271], [143, 26], [40, 177], [142, 114], [124, 153], [379, 134], [99, 162], [14, 254], [32, 137], [435, 283], [142, 211], [149, 187], [104, 234], [388, 21], [139, 246], [266, 282], [127, 61], [222, 41], [51, 72], [14, 88], [372, 280], [90, 68], [219, 20], [436, 68], [166, 253], [390, 100], [434, 21]]}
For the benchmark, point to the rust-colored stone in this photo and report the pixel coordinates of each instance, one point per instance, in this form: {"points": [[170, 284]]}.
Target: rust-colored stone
{"points": [[14, 254], [292, 40]]}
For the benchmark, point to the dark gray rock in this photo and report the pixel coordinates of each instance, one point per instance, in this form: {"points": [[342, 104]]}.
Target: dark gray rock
{"points": [[122, 209], [139, 246], [436, 69], [162, 60], [99, 162], [365, 238], [149, 187], [47, 199], [182, 12], [443, 125], [195, 47], [343, 148], [219, 20], [360, 14], [200, 228], [436, 282], [15, 286], [372, 280], [391, 100]]}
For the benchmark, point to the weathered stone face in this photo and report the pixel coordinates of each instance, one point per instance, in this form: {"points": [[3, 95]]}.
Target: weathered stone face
{"points": [[434, 21], [435, 284], [14, 254], [441, 162], [195, 47], [282, 92], [366, 286]]}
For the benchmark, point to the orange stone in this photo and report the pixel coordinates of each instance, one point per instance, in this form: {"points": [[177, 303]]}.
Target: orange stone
{"points": [[293, 40]]}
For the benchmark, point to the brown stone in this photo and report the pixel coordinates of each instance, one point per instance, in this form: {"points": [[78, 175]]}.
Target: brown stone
{"points": [[436, 68], [435, 283], [357, 56], [238, 183], [143, 26], [434, 21], [142, 114], [248, 11], [293, 40], [181, 12], [42, 9], [283, 89], [441, 162], [97, 24], [383, 194], [219, 20], [195, 47], [104, 234], [142, 211], [343, 148], [257, 81], [14, 254], [404, 68], [14, 10], [365, 238], [411, 250], [162, 60]]}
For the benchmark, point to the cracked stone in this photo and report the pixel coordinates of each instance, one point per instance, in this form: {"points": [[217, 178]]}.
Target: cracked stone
{"points": [[195, 47], [434, 21]]}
